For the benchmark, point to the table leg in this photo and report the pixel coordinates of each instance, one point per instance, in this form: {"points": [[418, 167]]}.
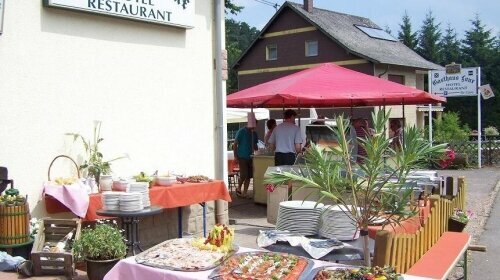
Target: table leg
{"points": [[130, 226], [179, 222], [203, 204]]}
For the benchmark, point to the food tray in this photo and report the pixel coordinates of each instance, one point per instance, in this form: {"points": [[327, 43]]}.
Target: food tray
{"points": [[316, 270], [143, 259], [215, 274]]}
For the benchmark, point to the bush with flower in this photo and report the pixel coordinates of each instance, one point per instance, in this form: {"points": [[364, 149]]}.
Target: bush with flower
{"points": [[102, 242], [447, 159], [461, 216]]}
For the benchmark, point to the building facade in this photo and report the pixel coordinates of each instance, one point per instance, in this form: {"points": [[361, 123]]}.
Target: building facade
{"points": [[300, 36], [153, 86]]}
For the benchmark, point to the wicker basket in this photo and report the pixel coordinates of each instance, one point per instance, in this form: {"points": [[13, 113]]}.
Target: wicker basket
{"points": [[63, 156], [52, 205]]}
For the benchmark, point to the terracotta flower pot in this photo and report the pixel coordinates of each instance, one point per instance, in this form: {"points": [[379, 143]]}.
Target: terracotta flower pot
{"points": [[96, 270]]}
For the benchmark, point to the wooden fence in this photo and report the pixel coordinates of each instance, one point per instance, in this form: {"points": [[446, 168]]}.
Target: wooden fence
{"points": [[403, 250], [490, 150]]}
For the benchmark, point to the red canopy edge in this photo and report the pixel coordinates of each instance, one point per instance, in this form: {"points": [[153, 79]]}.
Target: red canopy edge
{"points": [[329, 85]]}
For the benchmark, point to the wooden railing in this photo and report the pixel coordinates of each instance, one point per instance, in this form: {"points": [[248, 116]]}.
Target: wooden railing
{"points": [[403, 250]]}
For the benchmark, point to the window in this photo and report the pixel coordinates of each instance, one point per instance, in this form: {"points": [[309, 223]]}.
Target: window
{"points": [[311, 48], [376, 33], [400, 79], [272, 52]]}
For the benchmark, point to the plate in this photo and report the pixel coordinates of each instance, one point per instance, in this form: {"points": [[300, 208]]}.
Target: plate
{"points": [[245, 259], [180, 249]]}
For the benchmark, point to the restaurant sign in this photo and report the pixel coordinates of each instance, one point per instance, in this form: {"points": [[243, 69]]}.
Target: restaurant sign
{"points": [[167, 12], [463, 83]]}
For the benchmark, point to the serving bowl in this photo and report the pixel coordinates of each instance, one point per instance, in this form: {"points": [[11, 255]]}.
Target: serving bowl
{"points": [[166, 180]]}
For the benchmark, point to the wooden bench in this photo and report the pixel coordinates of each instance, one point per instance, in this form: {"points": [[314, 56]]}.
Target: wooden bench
{"points": [[438, 262]]}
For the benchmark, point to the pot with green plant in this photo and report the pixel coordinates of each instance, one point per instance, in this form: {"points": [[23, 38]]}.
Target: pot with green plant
{"points": [[458, 220], [368, 190], [94, 164], [101, 246]]}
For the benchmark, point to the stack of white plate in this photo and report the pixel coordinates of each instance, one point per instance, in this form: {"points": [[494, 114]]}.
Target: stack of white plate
{"points": [[336, 223], [131, 201], [143, 188], [110, 200], [299, 216]]}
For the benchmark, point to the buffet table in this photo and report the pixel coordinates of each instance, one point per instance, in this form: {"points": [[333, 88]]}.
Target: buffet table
{"points": [[128, 269], [175, 196]]}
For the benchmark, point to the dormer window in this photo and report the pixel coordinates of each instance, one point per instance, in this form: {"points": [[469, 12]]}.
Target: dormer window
{"points": [[272, 52], [311, 48]]}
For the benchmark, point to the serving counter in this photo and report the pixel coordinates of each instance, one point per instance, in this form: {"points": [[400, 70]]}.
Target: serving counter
{"points": [[260, 165]]}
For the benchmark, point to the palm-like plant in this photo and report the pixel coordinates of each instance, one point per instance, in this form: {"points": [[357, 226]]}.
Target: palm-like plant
{"points": [[366, 190]]}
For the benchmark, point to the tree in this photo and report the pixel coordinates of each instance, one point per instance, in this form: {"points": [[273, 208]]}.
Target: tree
{"points": [[428, 39], [231, 7], [478, 44], [449, 47], [239, 36], [449, 128], [405, 35]]}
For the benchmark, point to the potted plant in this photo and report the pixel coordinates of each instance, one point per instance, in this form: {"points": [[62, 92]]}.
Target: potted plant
{"points": [[458, 220], [369, 189], [95, 165], [101, 247]]}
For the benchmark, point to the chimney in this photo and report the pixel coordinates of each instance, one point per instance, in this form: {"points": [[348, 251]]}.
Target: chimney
{"points": [[308, 5]]}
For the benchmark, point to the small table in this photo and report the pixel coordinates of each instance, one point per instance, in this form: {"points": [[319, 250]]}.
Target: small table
{"points": [[130, 223]]}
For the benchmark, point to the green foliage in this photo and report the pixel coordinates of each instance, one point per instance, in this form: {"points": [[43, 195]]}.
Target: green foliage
{"points": [[491, 131], [449, 47], [231, 7], [405, 35], [239, 36], [372, 187], [103, 242], [94, 164], [449, 128], [428, 39]]}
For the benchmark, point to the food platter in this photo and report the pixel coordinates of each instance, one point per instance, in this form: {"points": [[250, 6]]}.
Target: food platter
{"points": [[346, 273], [263, 265], [180, 255]]}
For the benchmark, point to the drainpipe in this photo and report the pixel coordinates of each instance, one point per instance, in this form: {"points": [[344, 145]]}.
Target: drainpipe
{"points": [[220, 111]]}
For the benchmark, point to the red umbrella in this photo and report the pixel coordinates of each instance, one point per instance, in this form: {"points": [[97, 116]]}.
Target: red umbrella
{"points": [[329, 85]]}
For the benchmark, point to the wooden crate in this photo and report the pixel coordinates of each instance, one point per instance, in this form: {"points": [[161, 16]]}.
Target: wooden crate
{"points": [[53, 230]]}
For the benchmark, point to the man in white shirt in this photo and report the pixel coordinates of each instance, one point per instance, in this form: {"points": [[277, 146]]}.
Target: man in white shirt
{"points": [[286, 140]]}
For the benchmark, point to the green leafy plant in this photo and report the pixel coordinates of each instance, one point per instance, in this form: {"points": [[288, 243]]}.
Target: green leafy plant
{"points": [[103, 242], [461, 216], [449, 128], [95, 165], [491, 131], [377, 187]]}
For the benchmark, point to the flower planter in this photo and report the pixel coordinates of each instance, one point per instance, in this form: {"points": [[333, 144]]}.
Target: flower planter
{"points": [[454, 225], [96, 270]]}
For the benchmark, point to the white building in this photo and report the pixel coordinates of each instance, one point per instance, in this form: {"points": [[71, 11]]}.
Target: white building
{"points": [[152, 85]]}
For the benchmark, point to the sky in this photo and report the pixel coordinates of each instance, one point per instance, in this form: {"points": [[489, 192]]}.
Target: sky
{"points": [[457, 13]]}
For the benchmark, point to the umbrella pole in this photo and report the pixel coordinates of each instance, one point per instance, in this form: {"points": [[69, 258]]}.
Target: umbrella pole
{"points": [[404, 121]]}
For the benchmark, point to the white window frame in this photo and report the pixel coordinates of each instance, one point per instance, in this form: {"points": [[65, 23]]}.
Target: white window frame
{"points": [[307, 48], [268, 52]]}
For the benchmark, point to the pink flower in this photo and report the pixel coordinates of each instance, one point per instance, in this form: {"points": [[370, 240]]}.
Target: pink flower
{"points": [[270, 187]]}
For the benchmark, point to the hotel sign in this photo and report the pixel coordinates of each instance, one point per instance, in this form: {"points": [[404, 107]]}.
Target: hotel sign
{"points": [[167, 12], [463, 83]]}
